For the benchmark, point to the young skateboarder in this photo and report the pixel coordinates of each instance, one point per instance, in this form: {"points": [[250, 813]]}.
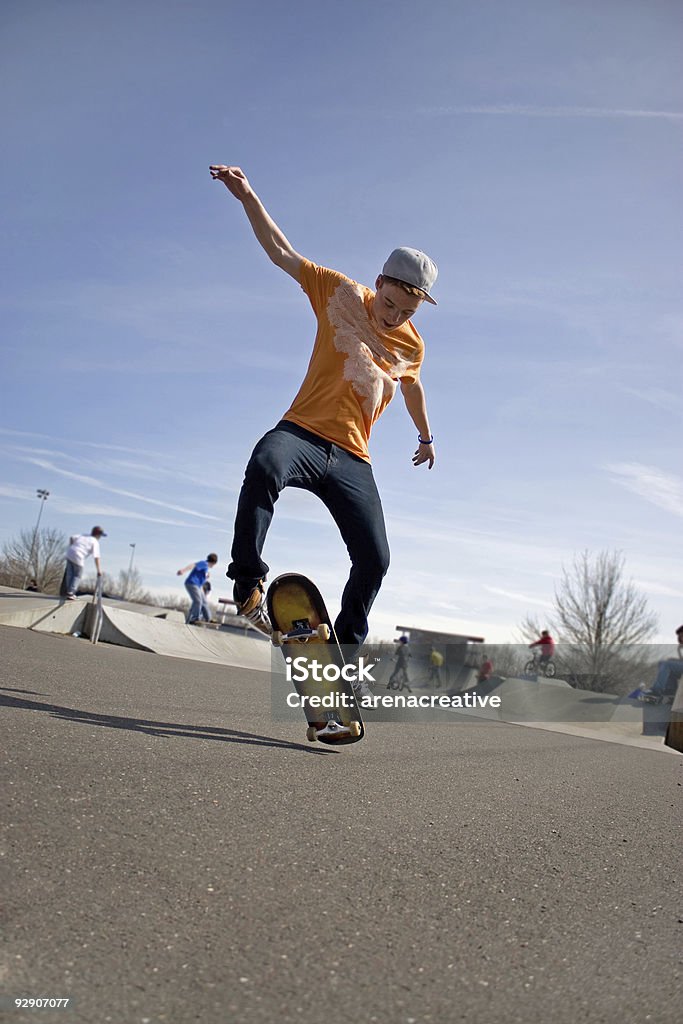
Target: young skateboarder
{"points": [[195, 584], [81, 546], [399, 678], [365, 346]]}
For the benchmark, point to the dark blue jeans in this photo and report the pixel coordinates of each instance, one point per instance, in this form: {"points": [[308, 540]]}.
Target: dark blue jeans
{"points": [[199, 609], [289, 456]]}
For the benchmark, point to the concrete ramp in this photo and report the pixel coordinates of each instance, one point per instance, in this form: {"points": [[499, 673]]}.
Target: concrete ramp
{"points": [[145, 628], [177, 640], [556, 706], [41, 612]]}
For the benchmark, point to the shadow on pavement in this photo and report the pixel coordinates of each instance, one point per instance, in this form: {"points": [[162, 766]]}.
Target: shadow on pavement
{"points": [[202, 732]]}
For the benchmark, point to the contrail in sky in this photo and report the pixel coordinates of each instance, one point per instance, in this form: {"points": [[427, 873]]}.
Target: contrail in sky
{"points": [[518, 110]]}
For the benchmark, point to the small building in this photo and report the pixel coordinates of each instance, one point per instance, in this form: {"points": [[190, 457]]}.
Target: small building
{"points": [[461, 653]]}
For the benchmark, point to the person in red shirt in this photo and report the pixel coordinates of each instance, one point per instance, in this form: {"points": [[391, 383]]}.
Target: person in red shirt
{"points": [[547, 645], [485, 669]]}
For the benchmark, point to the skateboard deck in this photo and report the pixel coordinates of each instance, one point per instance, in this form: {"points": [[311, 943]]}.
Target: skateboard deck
{"points": [[303, 631]]}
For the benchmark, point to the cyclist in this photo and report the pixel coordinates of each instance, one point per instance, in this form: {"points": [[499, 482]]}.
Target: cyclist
{"points": [[547, 647]]}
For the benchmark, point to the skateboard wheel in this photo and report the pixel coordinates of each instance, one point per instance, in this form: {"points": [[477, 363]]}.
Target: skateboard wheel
{"points": [[354, 728], [323, 631], [276, 638], [311, 734]]}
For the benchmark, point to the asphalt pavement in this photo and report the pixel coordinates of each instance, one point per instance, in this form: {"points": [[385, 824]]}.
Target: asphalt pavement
{"points": [[172, 853]]}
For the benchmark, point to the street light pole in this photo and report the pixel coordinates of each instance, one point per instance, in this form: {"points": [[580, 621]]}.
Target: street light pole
{"points": [[43, 495], [130, 569]]}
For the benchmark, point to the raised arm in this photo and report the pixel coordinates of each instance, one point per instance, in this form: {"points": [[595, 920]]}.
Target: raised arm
{"points": [[416, 404], [268, 234]]}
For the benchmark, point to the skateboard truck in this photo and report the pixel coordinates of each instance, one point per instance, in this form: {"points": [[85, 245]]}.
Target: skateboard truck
{"points": [[332, 728], [301, 634]]}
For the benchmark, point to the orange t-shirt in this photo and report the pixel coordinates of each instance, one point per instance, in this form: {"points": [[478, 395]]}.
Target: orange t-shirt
{"points": [[355, 367]]}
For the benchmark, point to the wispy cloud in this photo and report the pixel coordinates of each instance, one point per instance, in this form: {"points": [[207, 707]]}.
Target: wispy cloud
{"points": [[658, 397], [113, 512], [36, 457], [654, 485], [159, 465], [520, 598], [23, 493], [91, 481], [9, 432], [524, 110], [98, 511], [651, 587]]}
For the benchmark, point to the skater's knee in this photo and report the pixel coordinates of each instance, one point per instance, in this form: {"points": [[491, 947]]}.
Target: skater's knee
{"points": [[381, 560], [263, 468], [373, 563]]}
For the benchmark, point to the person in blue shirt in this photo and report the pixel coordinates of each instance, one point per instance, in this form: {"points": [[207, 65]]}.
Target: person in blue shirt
{"points": [[194, 585], [669, 672]]}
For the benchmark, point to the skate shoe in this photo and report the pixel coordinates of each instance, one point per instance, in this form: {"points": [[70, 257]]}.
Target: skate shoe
{"points": [[251, 605]]}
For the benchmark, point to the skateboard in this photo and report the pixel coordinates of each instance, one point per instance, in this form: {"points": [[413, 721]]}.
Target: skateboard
{"points": [[303, 631]]}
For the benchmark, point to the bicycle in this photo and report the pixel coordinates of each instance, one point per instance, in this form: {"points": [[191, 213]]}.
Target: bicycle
{"points": [[534, 667]]}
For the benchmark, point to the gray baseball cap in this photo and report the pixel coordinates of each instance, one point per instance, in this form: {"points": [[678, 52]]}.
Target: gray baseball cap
{"points": [[414, 268]]}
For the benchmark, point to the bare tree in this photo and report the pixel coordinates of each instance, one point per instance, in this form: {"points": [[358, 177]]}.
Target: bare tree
{"points": [[530, 628], [602, 617], [173, 601], [602, 625], [37, 555], [127, 586], [131, 588], [508, 659]]}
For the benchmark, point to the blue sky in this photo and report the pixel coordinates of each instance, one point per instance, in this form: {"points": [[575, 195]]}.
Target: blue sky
{"points": [[532, 149]]}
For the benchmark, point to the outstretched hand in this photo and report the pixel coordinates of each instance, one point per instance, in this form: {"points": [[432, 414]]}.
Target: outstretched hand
{"points": [[234, 179], [425, 453]]}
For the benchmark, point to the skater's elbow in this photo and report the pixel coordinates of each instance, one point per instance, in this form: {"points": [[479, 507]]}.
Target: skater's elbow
{"points": [[286, 259]]}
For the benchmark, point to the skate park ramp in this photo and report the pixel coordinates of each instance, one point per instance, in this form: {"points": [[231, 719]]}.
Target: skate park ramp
{"points": [[141, 627], [554, 705], [42, 612], [178, 640]]}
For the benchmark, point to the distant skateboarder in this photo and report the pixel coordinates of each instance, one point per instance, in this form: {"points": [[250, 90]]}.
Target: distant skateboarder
{"points": [[366, 346], [194, 585], [398, 680], [435, 666], [81, 546]]}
